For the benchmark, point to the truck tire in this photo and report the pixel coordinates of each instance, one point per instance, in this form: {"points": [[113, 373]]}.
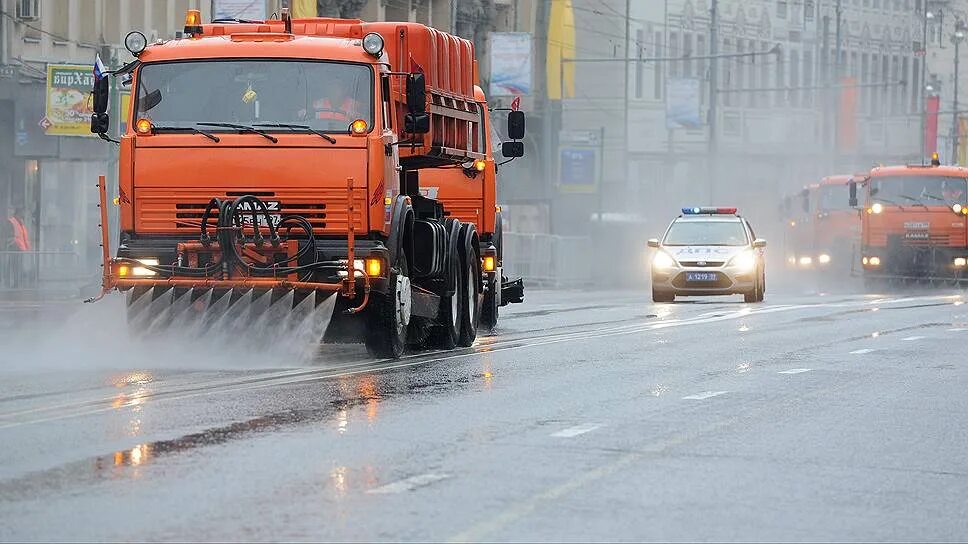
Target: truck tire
{"points": [[446, 334], [490, 308], [470, 299], [388, 317]]}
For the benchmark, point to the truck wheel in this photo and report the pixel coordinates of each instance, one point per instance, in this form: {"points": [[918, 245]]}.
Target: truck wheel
{"points": [[389, 316], [470, 300], [662, 296], [489, 311], [447, 333]]}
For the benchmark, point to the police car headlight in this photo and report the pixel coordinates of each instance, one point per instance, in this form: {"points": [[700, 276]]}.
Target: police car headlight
{"points": [[745, 261], [663, 260]]}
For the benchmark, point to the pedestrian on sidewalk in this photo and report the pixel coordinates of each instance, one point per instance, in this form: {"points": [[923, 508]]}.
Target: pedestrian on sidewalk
{"points": [[16, 239]]}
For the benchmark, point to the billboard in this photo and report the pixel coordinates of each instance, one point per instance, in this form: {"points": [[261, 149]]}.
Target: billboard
{"points": [[69, 108], [251, 10], [510, 64], [683, 103]]}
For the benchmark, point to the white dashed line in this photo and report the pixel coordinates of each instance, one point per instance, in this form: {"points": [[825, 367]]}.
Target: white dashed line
{"points": [[862, 351], [705, 395], [408, 484], [575, 431], [959, 329], [795, 371], [912, 338]]}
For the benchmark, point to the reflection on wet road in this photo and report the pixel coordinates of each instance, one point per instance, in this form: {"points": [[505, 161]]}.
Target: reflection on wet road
{"points": [[583, 416]]}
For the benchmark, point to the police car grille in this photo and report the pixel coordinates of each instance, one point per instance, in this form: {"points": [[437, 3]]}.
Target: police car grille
{"points": [[709, 264]]}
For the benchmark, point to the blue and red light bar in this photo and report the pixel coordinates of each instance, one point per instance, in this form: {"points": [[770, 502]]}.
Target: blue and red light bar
{"points": [[708, 211]]}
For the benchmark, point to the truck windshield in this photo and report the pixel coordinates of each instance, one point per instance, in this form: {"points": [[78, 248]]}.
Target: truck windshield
{"points": [[706, 233], [928, 190], [326, 96], [834, 197]]}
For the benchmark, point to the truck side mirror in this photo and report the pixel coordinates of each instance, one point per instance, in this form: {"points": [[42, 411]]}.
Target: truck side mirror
{"points": [[416, 123], [100, 122], [512, 150], [416, 93], [852, 188], [653, 242], [516, 125]]}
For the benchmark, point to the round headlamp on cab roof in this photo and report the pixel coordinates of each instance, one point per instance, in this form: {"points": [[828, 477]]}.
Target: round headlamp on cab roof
{"points": [[135, 42], [373, 44]]}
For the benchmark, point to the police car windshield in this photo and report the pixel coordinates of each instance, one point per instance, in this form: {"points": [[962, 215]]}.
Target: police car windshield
{"points": [[706, 233], [929, 190], [326, 96]]}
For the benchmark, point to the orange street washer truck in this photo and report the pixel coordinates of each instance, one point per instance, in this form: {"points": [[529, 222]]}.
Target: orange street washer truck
{"points": [[286, 156], [914, 223]]}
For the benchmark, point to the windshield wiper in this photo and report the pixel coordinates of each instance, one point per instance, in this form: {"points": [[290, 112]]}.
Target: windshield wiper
{"points": [[307, 128], [891, 202], [243, 128], [208, 135], [915, 200]]}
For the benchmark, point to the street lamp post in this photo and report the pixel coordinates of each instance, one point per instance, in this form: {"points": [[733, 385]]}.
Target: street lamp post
{"points": [[956, 39], [924, 75]]}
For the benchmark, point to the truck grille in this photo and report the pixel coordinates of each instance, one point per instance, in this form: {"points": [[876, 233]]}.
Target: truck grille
{"points": [[170, 211]]}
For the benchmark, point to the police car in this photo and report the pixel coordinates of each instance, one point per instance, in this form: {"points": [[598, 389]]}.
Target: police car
{"points": [[708, 251]]}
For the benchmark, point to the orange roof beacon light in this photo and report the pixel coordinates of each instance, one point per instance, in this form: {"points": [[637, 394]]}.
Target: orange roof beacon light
{"points": [[143, 127], [358, 127], [193, 22], [935, 161]]}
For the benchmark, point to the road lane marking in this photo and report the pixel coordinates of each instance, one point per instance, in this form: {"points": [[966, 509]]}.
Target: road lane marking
{"points": [[958, 329], [300, 376], [705, 395], [408, 484], [912, 338], [571, 432], [864, 351], [795, 371]]}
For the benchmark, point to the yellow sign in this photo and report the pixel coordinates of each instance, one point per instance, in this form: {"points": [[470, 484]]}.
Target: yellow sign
{"points": [[123, 109], [69, 106]]}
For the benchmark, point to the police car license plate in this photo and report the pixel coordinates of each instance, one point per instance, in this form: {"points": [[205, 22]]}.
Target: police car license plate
{"points": [[701, 276]]}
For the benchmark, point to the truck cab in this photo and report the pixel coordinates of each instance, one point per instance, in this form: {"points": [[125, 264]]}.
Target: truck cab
{"points": [[914, 222]]}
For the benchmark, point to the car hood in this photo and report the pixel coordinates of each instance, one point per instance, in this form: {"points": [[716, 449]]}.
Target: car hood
{"points": [[703, 253]]}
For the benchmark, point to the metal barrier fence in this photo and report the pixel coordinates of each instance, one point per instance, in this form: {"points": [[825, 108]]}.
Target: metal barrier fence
{"points": [[547, 260], [30, 269]]}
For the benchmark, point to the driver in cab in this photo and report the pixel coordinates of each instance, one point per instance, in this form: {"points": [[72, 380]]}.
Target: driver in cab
{"points": [[336, 104]]}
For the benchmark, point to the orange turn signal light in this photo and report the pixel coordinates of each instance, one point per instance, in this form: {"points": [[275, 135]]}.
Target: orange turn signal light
{"points": [[123, 270], [490, 263], [480, 165], [358, 127], [374, 267], [143, 126]]}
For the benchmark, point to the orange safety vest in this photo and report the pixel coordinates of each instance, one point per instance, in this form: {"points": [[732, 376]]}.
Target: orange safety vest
{"points": [[20, 237], [324, 109]]}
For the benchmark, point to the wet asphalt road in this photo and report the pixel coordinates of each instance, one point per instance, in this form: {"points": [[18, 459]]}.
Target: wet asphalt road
{"points": [[585, 416]]}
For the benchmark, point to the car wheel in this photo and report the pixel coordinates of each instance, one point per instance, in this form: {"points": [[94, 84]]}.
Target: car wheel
{"points": [[663, 296]]}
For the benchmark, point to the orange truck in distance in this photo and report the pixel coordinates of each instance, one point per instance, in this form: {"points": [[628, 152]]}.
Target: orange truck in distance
{"points": [[287, 157], [825, 234], [914, 222]]}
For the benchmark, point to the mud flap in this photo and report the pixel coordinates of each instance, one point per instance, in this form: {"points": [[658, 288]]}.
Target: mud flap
{"points": [[512, 292]]}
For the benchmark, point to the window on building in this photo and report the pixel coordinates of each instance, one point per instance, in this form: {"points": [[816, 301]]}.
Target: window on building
{"points": [[700, 51], [897, 101], [639, 66], [159, 18], [781, 9], [659, 67], [674, 52], [779, 96], [725, 73], [903, 88], [876, 77], [765, 65], [794, 78], [687, 52], [87, 32], [808, 92], [808, 10], [59, 17], [751, 76]]}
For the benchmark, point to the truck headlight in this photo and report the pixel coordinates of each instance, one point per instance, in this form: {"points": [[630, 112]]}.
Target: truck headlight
{"points": [[745, 261], [663, 260], [142, 271], [823, 258]]}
